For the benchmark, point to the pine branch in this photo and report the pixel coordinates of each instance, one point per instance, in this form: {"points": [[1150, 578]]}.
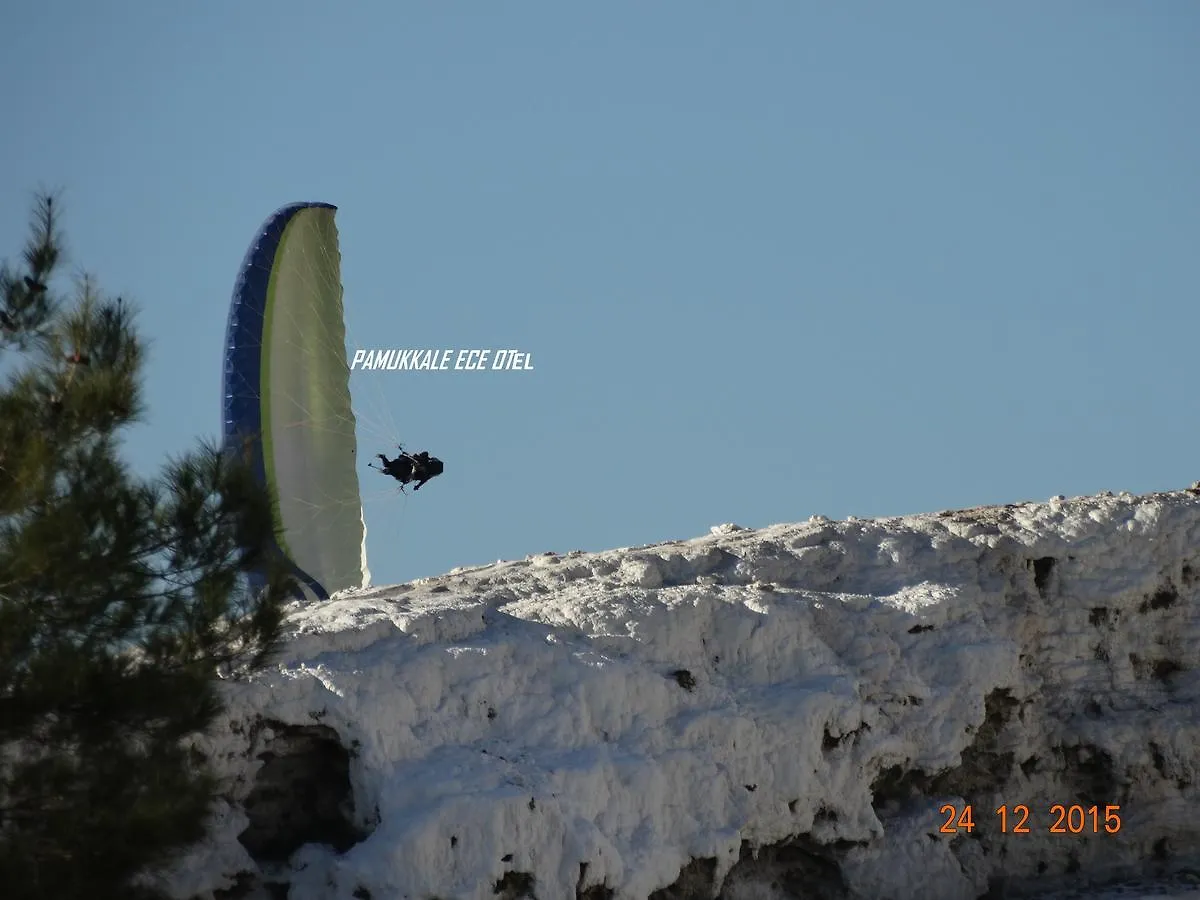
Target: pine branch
{"points": [[26, 303]]}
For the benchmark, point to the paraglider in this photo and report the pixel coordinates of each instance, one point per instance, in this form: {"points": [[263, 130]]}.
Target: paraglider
{"points": [[287, 404], [407, 467]]}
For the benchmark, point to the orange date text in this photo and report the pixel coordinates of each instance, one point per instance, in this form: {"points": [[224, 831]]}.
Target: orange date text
{"points": [[1017, 819]]}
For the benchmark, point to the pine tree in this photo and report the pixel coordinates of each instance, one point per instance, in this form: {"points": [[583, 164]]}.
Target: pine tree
{"points": [[123, 600]]}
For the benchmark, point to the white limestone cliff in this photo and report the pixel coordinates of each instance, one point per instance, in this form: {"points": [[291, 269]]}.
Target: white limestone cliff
{"points": [[763, 714]]}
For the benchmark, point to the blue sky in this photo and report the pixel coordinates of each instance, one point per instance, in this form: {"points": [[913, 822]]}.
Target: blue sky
{"points": [[771, 259]]}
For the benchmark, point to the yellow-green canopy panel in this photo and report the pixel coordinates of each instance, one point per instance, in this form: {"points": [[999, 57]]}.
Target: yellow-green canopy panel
{"points": [[287, 395]]}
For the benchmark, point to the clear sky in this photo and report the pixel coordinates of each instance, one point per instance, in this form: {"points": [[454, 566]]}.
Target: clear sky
{"points": [[772, 259]]}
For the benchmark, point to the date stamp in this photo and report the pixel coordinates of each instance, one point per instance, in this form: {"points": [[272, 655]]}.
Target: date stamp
{"points": [[1017, 819]]}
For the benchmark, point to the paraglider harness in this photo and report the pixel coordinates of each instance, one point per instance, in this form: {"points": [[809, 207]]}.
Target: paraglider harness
{"points": [[407, 467]]}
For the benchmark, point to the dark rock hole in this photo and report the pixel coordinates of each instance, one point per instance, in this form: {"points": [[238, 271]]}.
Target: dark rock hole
{"points": [[696, 879], [895, 787], [1160, 761], [1162, 850], [1090, 771], [301, 795], [1042, 568], [983, 765], [243, 884], [1159, 669], [825, 816], [514, 886], [595, 892], [1163, 669], [684, 678], [796, 867], [1163, 598]]}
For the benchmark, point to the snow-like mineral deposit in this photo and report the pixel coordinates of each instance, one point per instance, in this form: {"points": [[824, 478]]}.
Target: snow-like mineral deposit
{"points": [[993, 702]]}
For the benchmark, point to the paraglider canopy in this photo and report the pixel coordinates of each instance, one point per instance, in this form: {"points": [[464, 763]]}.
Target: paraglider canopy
{"points": [[287, 395]]}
